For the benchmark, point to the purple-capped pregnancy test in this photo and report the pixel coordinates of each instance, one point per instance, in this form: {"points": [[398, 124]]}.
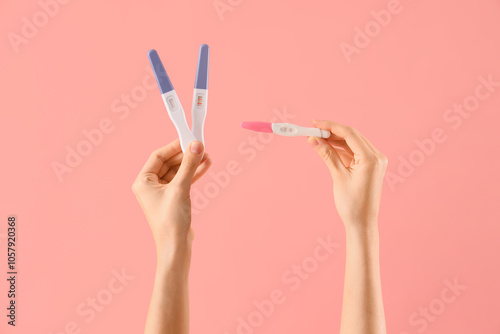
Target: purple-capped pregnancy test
{"points": [[174, 106]]}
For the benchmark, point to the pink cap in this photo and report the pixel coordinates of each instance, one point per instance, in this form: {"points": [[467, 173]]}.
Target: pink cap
{"points": [[258, 126]]}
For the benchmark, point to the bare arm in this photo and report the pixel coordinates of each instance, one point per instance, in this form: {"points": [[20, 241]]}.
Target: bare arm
{"points": [[357, 170], [362, 308], [162, 189], [169, 306]]}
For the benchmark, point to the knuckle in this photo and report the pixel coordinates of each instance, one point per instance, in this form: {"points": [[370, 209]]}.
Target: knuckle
{"points": [[157, 156], [142, 180], [149, 177], [136, 186], [377, 161], [383, 159], [190, 163], [372, 160]]}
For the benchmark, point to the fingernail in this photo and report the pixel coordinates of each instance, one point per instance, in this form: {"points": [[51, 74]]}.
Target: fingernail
{"points": [[196, 147]]}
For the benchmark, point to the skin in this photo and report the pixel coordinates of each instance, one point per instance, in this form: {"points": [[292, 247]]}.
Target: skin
{"points": [[357, 168], [162, 189]]}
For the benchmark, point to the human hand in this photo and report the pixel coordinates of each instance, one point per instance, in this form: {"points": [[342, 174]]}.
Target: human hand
{"points": [[357, 169], [162, 189]]}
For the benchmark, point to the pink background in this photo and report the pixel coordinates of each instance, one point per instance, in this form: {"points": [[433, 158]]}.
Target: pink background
{"points": [[439, 221]]}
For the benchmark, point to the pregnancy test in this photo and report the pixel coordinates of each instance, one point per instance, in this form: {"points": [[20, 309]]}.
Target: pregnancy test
{"points": [[285, 129], [172, 103], [200, 94]]}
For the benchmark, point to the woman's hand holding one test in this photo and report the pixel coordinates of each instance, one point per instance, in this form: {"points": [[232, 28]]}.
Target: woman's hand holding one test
{"points": [[357, 169], [162, 189]]}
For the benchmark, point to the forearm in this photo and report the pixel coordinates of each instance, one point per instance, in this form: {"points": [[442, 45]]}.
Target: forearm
{"points": [[362, 309], [169, 306]]}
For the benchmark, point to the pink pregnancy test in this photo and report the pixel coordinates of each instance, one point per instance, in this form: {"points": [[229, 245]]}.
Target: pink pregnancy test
{"points": [[285, 129]]}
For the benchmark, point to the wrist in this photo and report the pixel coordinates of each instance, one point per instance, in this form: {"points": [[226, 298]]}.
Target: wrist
{"points": [[175, 253], [366, 233], [361, 223], [173, 261]]}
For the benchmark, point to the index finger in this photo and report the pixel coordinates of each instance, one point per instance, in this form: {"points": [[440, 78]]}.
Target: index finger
{"points": [[159, 156], [350, 135]]}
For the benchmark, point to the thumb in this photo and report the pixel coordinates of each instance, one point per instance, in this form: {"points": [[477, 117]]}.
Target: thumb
{"points": [[190, 162], [329, 155]]}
